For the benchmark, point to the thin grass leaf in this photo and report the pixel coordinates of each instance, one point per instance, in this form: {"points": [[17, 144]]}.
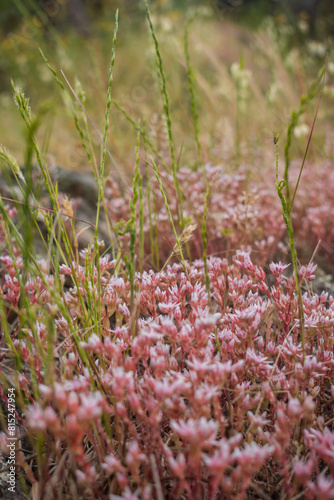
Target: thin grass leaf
{"points": [[177, 239], [165, 100], [191, 85], [324, 71], [96, 131]]}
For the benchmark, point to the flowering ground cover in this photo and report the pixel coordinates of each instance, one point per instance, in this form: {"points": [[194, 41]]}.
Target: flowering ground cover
{"points": [[190, 359], [180, 395]]}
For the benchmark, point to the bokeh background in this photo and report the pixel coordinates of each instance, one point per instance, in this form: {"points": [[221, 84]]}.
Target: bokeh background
{"points": [[252, 61]]}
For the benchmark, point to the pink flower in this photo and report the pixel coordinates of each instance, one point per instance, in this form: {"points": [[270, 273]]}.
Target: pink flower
{"points": [[112, 464], [323, 488], [63, 269], [39, 420], [94, 343], [220, 460], [294, 408], [278, 269], [60, 396], [251, 457], [91, 406], [201, 433], [303, 470], [73, 402], [307, 272], [45, 391], [178, 466]]}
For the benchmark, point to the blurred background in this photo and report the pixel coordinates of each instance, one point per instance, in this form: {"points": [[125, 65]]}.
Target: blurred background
{"points": [[82, 14], [252, 61]]}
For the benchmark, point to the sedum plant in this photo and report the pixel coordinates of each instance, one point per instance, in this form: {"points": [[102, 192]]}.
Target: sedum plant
{"points": [[174, 364]]}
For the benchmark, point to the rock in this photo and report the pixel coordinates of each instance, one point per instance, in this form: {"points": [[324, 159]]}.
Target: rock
{"points": [[82, 191]]}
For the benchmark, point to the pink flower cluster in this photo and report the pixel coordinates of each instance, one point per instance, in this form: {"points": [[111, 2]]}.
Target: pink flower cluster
{"points": [[244, 212], [185, 396]]}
